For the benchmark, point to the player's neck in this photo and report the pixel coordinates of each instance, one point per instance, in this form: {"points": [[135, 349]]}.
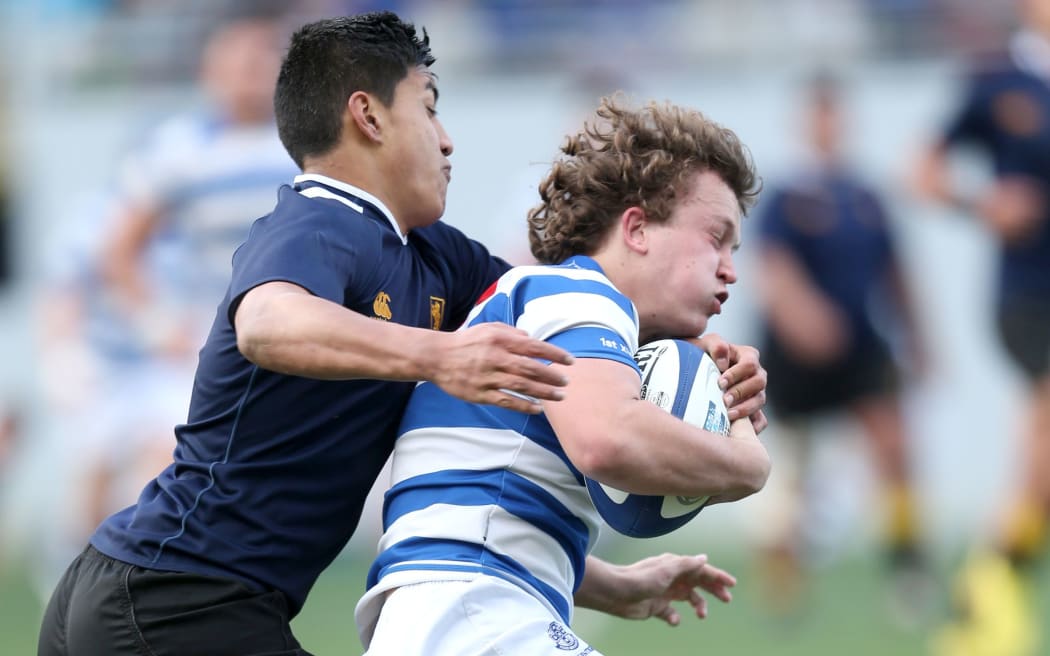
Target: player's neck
{"points": [[345, 170]]}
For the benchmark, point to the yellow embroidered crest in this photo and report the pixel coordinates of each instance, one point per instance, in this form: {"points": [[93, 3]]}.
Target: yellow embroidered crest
{"points": [[437, 312], [381, 306]]}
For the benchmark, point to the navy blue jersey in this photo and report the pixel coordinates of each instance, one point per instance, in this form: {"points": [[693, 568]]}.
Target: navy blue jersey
{"points": [[1006, 114], [271, 471], [838, 229]]}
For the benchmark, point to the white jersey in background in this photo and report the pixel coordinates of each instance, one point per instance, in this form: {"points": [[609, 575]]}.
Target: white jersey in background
{"points": [[208, 179]]}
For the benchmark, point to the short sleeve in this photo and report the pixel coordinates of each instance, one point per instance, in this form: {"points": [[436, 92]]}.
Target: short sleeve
{"points": [[471, 269], [312, 259], [774, 228], [585, 316]]}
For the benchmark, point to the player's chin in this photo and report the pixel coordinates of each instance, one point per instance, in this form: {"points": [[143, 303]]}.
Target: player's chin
{"points": [[696, 325], [682, 327], [436, 209]]}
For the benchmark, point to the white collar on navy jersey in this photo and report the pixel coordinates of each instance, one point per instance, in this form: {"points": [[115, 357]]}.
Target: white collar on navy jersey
{"points": [[315, 192]]}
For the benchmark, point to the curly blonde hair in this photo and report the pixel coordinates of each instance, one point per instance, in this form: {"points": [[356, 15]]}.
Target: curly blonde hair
{"points": [[631, 158]]}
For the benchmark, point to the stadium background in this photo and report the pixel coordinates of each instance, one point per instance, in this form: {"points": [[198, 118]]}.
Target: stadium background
{"points": [[79, 80]]}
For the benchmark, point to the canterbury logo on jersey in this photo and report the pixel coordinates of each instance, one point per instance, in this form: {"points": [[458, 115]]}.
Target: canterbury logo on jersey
{"points": [[381, 306]]}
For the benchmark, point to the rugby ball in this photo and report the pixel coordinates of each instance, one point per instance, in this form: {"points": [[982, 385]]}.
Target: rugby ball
{"points": [[683, 380]]}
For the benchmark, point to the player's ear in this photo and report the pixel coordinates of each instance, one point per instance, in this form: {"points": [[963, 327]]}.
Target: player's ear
{"points": [[634, 229], [361, 109]]}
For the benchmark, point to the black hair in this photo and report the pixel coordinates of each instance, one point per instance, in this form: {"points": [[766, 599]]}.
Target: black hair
{"points": [[329, 60]]}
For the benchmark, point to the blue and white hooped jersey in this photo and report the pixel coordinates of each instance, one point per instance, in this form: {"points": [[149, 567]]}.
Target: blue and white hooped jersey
{"points": [[478, 489], [209, 178]]}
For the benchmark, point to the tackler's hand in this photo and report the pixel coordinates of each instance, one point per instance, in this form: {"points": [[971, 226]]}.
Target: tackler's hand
{"points": [[500, 365]]}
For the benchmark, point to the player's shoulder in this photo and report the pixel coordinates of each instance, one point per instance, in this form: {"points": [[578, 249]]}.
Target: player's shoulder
{"points": [[331, 209], [799, 187], [330, 220], [566, 287], [577, 273]]}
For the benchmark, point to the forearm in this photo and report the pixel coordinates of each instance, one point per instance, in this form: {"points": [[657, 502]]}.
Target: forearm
{"points": [[659, 454], [282, 327], [646, 588], [791, 300], [599, 587], [303, 335], [615, 437], [123, 249], [754, 470]]}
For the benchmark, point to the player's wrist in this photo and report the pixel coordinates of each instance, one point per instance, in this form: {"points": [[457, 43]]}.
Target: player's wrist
{"points": [[426, 355]]}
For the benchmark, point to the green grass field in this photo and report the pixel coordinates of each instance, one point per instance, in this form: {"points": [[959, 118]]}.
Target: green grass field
{"points": [[845, 613]]}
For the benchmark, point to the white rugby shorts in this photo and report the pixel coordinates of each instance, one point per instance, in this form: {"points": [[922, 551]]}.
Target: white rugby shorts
{"points": [[486, 616]]}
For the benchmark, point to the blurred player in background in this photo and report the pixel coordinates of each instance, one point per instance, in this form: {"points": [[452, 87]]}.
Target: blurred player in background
{"points": [[184, 195], [134, 278], [183, 203], [1005, 115], [831, 288], [488, 523]]}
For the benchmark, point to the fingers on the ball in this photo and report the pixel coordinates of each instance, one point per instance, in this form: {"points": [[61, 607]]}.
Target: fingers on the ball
{"points": [[759, 421], [749, 391], [754, 404], [717, 347], [745, 409]]}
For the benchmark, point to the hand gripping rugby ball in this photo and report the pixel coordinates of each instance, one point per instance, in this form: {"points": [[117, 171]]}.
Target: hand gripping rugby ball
{"points": [[683, 380]]}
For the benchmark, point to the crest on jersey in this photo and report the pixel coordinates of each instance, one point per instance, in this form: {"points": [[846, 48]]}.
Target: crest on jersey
{"points": [[562, 637], [437, 312], [381, 306]]}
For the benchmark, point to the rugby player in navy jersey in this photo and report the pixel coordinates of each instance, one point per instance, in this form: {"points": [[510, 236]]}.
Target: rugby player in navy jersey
{"points": [[831, 288], [1005, 114], [487, 524], [340, 300]]}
